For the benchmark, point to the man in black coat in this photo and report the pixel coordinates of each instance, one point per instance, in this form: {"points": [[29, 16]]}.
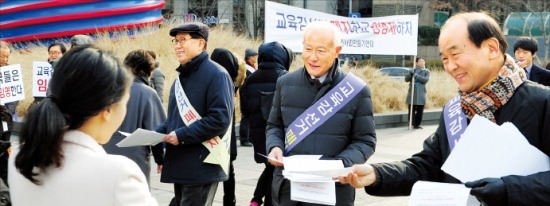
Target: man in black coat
{"points": [[525, 50], [472, 47], [209, 91], [348, 135]]}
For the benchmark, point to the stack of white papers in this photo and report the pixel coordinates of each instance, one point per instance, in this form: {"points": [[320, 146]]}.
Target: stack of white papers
{"points": [[311, 178], [140, 137], [437, 194], [484, 150], [488, 150]]}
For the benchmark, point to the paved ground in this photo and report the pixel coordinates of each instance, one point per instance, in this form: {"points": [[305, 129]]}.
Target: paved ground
{"points": [[393, 144]]}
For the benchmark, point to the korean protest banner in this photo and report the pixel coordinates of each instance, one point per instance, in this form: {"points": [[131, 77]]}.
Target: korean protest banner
{"points": [[11, 84], [395, 35], [42, 73]]}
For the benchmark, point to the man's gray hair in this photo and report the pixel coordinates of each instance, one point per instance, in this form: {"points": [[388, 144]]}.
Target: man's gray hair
{"points": [[328, 27]]}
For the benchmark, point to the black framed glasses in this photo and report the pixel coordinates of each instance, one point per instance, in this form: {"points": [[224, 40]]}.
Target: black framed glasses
{"points": [[180, 41]]}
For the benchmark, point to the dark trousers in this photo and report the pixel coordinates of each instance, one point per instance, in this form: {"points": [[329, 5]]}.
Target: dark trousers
{"points": [[263, 187], [418, 111], [229, 188], [243, 129], [195, 195]]}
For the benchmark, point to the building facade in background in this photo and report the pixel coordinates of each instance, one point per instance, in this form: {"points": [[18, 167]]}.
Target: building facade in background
{"points": [[247, 16]]}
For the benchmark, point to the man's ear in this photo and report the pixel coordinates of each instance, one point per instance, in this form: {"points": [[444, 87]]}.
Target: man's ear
{"points": [[338, 50], [493, 47]]}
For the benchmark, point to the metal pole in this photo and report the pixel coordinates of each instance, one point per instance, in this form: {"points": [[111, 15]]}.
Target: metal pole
{"points": [[350, 2], [412, 95]]}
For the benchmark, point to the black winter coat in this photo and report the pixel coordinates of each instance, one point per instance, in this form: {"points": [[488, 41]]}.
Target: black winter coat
{"points": [[275, 59], [348, 135], [528, 110], [210, 91]]}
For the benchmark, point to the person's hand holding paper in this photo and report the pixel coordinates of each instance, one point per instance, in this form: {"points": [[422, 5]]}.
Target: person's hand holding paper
{"points": [[361, 175], [140, 137]]}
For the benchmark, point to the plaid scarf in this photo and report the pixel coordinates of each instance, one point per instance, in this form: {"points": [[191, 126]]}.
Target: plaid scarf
{"points": [[486, 101]]}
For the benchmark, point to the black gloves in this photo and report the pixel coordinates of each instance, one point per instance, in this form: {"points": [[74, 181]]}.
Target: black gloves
{"points": [[490, 191]]}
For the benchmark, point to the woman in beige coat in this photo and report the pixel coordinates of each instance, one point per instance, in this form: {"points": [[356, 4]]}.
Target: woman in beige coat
{"points": [[59, 160]]}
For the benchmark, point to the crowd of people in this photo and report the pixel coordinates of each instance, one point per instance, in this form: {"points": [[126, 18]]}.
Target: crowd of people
{"points": [[59, 146]]}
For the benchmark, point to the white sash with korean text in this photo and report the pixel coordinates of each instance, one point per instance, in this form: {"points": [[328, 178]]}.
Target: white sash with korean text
{"points": [[218, 148]]}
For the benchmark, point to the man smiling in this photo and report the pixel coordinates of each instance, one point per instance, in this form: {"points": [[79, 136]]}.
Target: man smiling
{"points": [[200, 108], [490, 85], [347, 133]]}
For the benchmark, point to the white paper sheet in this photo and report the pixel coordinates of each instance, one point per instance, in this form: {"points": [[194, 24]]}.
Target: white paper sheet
{"points": [[488, 150], [294, 164], [437, 194], [313, 192], [140, 137], [311, 178]]}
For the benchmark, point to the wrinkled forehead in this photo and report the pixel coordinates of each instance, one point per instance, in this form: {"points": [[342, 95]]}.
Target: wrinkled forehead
{"points": [[5, 51], [453, 35]]}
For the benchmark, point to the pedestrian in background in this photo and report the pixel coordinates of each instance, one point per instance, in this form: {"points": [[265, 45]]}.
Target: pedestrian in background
{"points": [[237, 71], [56, 51], [525, 51], [145, 111], [421, 77], [251, 59], [274, 60], [157, 78]]}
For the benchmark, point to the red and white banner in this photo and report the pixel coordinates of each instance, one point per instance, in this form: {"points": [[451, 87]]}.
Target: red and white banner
{"points": [[11, 84], [389, 35], [42, 73]]}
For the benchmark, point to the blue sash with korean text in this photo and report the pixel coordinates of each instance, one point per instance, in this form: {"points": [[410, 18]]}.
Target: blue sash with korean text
{"points": [[455, 121], [322, 110]]}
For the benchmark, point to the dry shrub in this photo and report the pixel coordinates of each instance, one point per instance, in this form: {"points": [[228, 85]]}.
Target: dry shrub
{"points": [[387, 94]]}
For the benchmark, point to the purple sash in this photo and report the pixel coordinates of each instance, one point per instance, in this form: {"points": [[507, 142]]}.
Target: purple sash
{"points": [[455, 121], [322, 110]]}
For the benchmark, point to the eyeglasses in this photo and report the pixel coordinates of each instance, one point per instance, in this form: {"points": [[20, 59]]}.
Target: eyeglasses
{"points": [[180, 41]]}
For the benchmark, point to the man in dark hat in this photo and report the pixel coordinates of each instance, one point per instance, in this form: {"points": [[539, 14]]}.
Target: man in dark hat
{"points": [[250, 58], [200, 109]]}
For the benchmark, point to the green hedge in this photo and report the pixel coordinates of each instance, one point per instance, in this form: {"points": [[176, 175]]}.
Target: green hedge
{"points": [[428, 35]]}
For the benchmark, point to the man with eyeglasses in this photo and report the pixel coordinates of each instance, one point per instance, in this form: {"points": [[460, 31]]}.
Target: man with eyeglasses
{"points": [[200, 109], [55, 51]]}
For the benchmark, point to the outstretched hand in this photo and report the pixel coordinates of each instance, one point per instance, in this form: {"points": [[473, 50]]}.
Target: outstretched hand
{"points": [[490, 191], [360, 176]]}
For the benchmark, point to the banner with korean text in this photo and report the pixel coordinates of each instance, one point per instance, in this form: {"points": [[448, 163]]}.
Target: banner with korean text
{"points": [[42, 73], [390, 35], [11, 84]]}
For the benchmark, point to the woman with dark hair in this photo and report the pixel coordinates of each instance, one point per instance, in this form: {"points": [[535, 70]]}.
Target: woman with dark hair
{"points": [[144, 111], [59, 160]]}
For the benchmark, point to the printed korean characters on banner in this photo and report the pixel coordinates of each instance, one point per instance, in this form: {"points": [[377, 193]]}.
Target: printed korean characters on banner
{"points": [[42, 73], [389, 35], [11, 84]]}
